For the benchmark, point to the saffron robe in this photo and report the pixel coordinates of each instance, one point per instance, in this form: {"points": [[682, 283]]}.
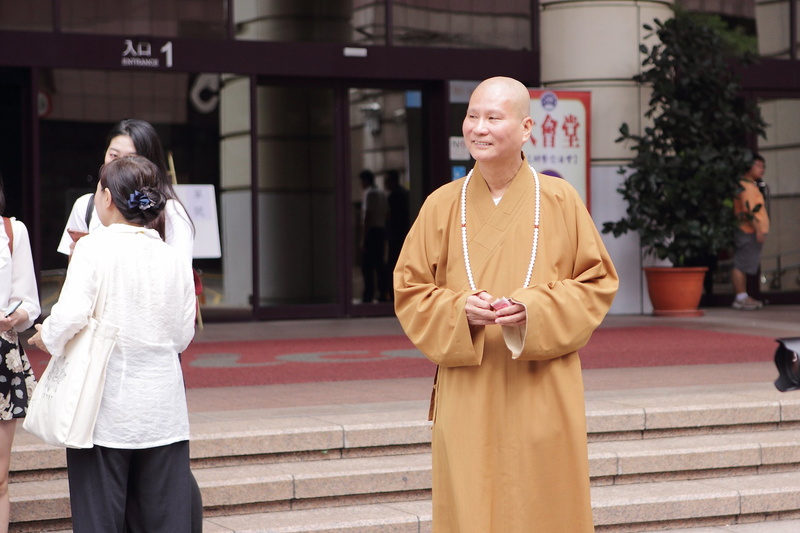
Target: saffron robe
{"points": [[509, 422]]}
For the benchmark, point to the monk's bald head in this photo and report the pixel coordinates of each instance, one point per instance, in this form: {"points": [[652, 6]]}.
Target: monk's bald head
{"points": [[509, 89]]}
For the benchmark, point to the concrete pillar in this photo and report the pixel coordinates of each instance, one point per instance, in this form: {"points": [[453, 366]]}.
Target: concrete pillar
{"points": [[593, 45], [296, 164]]}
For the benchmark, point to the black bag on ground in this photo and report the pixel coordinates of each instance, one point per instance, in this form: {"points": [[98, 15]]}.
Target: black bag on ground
{"points": [[788, 363]]}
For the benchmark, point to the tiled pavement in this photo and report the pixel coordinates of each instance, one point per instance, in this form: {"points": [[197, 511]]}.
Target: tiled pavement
{"points": [[772, 321]]}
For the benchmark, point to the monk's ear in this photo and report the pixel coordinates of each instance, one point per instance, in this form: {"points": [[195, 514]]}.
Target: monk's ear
{"points": [[527, 128]]}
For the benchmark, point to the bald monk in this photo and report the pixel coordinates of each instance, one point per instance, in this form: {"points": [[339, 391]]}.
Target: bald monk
{"points": [[502, 279]]}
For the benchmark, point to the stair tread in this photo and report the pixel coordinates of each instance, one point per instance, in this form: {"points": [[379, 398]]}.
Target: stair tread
{"points": [[696, 452], [398, 517], [780, 526], [395, 422], [675, 500]]}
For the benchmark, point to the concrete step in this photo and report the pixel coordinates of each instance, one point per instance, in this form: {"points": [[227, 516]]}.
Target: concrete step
{"points": [[675, 504], [301, 483], [352, 430], [719, 504], [673, 411], [692, 457], [254, 461], [415, 516], [407, 517], [307, 484], [276, 486], [400, 517], [781, 526]]}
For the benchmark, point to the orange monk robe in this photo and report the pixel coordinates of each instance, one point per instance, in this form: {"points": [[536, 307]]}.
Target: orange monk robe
{"points": [[509, 431]]}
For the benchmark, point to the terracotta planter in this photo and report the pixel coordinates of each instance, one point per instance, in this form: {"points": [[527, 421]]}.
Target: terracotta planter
{"points": [[675, 291]]}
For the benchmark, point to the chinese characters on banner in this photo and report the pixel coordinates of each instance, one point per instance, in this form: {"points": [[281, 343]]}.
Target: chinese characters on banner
{"points": [[560, 139]]}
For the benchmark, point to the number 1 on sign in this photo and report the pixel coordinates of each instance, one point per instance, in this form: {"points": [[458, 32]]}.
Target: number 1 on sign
{"points": [[167, 50]]}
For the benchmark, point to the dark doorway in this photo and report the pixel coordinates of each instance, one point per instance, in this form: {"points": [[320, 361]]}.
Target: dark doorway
{"points": [[14, 84]]}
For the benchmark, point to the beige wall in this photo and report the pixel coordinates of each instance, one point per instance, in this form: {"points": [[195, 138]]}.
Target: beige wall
{"points": [[781, 149]]}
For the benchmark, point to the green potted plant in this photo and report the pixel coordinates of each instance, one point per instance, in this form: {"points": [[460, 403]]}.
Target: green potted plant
{"points": [[687, 163]]}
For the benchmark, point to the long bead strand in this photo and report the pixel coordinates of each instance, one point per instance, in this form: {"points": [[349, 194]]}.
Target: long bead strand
{"points": [[534, 246]]}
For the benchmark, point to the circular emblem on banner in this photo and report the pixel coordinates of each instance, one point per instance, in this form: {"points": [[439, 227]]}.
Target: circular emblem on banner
{"points": [[549, 100]]}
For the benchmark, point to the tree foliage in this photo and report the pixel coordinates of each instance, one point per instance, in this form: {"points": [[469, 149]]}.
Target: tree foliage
{"points": [[687, 164]]}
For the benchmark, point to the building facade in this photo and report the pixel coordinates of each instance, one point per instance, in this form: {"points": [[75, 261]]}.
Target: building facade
{"points": [[280, 104]]}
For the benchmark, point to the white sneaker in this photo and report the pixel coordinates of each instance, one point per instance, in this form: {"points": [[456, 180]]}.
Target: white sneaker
{"points": [[747, 304]]}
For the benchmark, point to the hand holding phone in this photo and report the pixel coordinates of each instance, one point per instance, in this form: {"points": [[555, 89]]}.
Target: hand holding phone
{"points": [[11, 308]]}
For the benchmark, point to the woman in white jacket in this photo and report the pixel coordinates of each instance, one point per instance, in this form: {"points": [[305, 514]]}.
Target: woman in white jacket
{"points": [[19, 299], [140, 457], [133, 136]]}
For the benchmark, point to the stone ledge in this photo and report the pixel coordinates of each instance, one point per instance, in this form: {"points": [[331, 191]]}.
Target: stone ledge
{"points": [[680, 500]]}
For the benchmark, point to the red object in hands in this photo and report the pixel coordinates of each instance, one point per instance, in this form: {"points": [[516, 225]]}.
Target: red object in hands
{"points": [[500, 303]]}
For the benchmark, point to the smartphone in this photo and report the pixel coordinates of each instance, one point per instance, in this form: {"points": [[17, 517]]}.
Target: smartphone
{"points": [[76, 234], [11, 308]]}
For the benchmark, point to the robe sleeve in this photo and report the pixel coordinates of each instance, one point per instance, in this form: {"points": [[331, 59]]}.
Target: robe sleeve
{"points": [[563, 313], [431, 313]]}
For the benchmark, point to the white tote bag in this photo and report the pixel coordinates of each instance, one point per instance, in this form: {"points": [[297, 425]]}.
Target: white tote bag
{"points": [[63, 408]]}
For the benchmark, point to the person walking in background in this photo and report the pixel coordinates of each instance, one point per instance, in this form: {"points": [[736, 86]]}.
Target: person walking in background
{"points": [[19, 300], [140, 458], [750, 208], [501, 280], [373, 245], [398, 218]]}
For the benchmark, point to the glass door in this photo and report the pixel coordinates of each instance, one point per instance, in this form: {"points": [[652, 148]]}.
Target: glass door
{"points": [[385, 183], [326, 242]]}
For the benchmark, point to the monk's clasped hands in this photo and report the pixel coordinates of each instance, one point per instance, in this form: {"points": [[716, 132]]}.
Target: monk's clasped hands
{"points": [[483, 309]]}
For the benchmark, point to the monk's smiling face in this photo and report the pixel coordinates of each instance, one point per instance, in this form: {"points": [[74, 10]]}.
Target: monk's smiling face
{"points": [[497, 122]]}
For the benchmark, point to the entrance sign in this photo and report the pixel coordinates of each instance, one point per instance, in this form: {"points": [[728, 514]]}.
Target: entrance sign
{"points": [[140, 54], [560, 139]]}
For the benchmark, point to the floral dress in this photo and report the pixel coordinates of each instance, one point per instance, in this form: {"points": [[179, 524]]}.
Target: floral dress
{"points": [[16, 377]]}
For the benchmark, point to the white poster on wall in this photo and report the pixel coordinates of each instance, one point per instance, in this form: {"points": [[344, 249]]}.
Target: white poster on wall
{"points": [[201, 204]]}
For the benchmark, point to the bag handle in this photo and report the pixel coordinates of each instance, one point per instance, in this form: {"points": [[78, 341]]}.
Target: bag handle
{"points": [[89, 211], [10, 233], [99, 299]]}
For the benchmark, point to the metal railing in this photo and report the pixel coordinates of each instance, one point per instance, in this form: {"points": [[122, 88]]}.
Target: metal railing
{"points": [[773, 277]]}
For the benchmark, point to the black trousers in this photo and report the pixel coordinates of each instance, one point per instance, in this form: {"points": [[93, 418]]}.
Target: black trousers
{"points": [[373, 265], [154, 484]]}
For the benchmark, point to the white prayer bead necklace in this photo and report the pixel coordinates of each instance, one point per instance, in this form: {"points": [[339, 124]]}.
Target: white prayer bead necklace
{"points": [[464, 231]]}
